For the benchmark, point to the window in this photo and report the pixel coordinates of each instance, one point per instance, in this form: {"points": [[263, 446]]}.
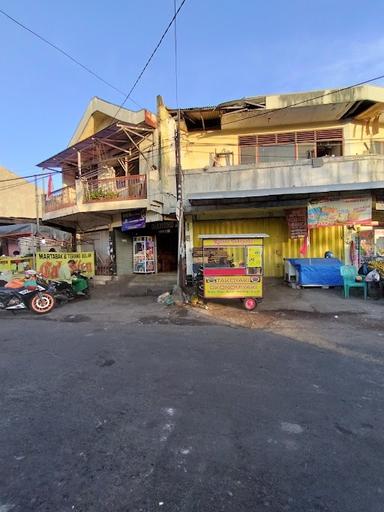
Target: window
{"points": [[378, 147], [329, 148], [277, 153], [282, 147]]}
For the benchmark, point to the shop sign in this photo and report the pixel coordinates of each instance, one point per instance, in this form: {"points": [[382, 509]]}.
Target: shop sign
{"points": [[231, 287], [162, 225], [133, 221], [297, 222], [15, 264], [231, 242], [380, 205], [340, 212], [49, 263]]}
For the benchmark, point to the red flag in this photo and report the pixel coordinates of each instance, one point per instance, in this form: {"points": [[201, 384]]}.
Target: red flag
{"points": [[50, 185], [306, 243]]}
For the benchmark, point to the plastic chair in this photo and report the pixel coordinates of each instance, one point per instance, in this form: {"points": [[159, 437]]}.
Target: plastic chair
{"points": [[349, 274]]}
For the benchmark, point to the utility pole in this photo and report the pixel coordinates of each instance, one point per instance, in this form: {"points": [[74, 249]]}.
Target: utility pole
{"points": [[34, 239], [179, 207]]}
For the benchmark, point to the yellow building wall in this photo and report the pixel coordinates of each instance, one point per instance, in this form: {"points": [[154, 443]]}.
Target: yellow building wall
{"points": [[197, 146], [96, 122], [278, 246], [17, 198]]}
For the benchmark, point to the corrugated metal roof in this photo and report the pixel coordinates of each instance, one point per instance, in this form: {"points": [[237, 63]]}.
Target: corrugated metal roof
{"points": [[85, 146]]}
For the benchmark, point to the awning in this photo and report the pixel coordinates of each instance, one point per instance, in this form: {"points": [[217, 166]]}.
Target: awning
{"points": [[118, 136], [239, 196], [19, 230]]}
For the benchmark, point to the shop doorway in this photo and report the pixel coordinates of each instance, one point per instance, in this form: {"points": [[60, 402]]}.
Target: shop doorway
{"points": [[166, 250]]}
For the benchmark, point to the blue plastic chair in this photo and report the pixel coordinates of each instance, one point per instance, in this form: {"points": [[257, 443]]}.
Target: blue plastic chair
{"points": [[349, 274]]}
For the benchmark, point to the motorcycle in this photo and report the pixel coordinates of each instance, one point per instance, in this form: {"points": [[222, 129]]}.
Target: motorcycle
{"points": [[63, 291], [35, 298]]}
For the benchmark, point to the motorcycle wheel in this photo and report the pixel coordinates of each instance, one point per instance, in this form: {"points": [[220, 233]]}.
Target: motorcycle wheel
{"points": [[42, 303]]}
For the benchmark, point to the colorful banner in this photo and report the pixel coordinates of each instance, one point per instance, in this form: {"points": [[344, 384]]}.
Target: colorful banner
{"points": [[297, 222], [231, 242], [49, 263], [231, 287], [340, 212]]}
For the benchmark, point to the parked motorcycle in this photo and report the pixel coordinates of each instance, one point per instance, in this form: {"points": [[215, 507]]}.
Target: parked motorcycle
{"points": [[35, 298], [63, 291]]}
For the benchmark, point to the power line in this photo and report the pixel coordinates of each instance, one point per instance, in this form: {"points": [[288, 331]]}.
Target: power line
{"points": [[70, 57], [176, 58], [42, 174], [150, 58], [334, 91]]}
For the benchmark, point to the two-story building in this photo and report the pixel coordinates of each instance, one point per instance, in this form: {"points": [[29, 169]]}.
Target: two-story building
{"points": [[113, 184], [247, 163]]}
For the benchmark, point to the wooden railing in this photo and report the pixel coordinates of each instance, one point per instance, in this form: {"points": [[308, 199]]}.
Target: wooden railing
{"points": [[59, 199], [115, 189]]}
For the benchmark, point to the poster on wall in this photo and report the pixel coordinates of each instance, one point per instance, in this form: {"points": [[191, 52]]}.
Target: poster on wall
{"points": [[340, 212], [379, 242], [49, 263], [297, 222]]}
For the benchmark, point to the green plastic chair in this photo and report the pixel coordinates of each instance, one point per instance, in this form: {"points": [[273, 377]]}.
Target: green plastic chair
{"points": [[349, 274]]}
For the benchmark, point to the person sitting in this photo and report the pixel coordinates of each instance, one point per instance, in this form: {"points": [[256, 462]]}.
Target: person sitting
{"points": [[66, 271]]}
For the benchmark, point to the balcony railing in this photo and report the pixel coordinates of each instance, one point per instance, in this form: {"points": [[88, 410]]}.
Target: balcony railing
{"points": [[115, 189], [59, 199]]}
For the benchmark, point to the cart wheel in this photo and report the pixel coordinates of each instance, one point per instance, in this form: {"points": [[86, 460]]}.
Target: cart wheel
{"points": [[250, 303]]}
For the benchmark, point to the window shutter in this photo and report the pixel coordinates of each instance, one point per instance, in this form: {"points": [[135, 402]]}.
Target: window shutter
{"points": [[247, 140], [335, 134], [286, 138], [264, 140], [307, 136]]}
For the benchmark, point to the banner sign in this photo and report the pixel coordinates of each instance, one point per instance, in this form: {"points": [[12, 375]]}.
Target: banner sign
{"points": [[340, 212], [231, 242], [297, 222], [133, 221], [15, 264], [49, 263], [231, 287]]}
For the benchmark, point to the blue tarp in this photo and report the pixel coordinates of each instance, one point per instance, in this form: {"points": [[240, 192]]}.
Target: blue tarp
{"points": [[318, 271]]}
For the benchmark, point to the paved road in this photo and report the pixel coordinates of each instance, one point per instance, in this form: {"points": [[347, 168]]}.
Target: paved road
{"points": [[151, 412]]}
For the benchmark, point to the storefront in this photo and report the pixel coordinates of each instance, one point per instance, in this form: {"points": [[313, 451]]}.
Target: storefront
{"points": [[277, 247], [145, 247], [307, 229]]}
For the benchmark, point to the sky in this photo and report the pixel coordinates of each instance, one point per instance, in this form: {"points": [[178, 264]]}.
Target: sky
{"points": [[226, 50]]}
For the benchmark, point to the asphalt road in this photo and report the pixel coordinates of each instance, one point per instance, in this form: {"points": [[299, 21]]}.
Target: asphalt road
{"points": [[182, 415]]}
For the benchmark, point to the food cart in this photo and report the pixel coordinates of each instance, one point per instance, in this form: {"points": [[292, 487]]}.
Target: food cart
{"points": [[233, 267]]}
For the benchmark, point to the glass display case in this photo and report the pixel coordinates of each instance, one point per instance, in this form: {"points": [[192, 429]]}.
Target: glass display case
{"points": [[144, 255]]}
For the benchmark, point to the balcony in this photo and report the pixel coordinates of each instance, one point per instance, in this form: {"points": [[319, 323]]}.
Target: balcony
{"points": [[106, 194], [62, 198], [300, 176], [124, 188]]}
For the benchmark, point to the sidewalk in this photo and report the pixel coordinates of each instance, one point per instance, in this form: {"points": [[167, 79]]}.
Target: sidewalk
{"points": [[283, 302]]}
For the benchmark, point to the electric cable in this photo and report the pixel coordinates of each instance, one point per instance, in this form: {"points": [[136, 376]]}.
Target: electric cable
{"points": [[150, 58], [68, 56]]}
